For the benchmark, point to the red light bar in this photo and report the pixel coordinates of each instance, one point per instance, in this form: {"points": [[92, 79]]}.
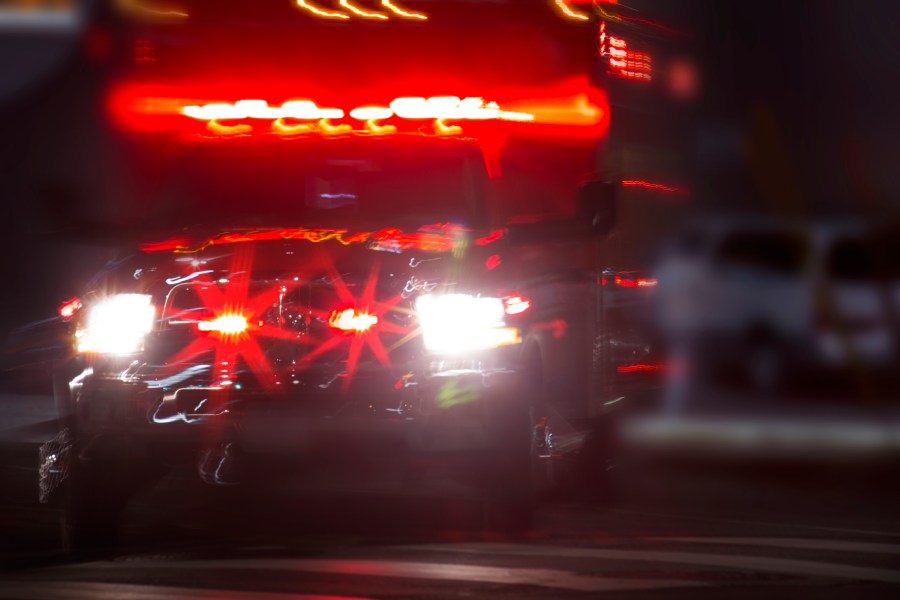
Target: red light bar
{"points": [[438, 108], [351, 319], [570, 109]]}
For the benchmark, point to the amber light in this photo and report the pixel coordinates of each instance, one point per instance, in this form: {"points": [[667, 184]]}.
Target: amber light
{"points": [[314, 9], [563, 7], [351, 319]]}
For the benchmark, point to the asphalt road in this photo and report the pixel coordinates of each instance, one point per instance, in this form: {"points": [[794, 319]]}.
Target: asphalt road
{"points": [[678, 528]]}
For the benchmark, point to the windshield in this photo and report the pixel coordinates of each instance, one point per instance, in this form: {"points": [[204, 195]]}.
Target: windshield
{"points": [[334, 183]]}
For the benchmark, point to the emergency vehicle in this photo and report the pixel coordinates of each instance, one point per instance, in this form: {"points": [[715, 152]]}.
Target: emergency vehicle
{"points": [[356, 220]]}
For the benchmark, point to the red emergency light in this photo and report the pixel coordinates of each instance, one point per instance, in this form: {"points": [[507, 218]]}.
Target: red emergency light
{"points": [[569, 109], [351, 320]]}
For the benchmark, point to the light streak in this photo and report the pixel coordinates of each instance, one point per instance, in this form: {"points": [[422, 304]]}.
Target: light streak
{"points": [[325, 14], [408, 14], [143, 8], [360, 12], [564, 9], [653, 186]]}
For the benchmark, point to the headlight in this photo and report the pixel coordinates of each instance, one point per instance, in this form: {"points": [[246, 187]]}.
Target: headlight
{"points": [[455, 323], [116, 325]]}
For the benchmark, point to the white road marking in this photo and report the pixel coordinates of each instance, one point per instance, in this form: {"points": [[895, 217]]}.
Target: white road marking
{"points": [[548, 578], [742, 563], [78, 590], [797, 543], [847, 530]]}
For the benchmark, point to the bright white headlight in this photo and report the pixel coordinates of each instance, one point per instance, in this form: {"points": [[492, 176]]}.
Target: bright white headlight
{"points": [[455, 323], [116, 325]]}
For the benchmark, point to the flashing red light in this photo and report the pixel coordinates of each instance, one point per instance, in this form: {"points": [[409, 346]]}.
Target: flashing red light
{"points": [[623, 62], [225, 324], [640, 282], [491, 237], [68, 308], [433, 238], [640, 368], [516, 305], [571, 109], [352, 319]]}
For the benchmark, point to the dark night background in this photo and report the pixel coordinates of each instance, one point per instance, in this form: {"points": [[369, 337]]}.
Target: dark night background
{"points": [[797, 116]]}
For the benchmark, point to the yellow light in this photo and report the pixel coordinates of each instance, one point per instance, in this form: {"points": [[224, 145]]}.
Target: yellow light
{"points": [[388, 4], [440, 128], [376, 129], [279, 126], [142, 8], [327, 128], [219, 129], [564, 9], [326, 14], [360, 12]]}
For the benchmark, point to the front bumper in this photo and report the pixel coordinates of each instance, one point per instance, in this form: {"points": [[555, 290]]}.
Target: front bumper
{"points": [[426, 411]]}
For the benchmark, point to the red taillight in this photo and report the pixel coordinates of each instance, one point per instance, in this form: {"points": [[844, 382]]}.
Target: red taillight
{"points": [[351, 319], [225, 324], [68, 308], [516, 305]]}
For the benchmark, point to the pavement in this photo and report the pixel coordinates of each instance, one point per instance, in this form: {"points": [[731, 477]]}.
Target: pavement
{"points": [[678, 528]]}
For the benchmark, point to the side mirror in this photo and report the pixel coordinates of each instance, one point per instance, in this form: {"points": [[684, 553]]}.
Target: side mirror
{"points": [[597, 206]]}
